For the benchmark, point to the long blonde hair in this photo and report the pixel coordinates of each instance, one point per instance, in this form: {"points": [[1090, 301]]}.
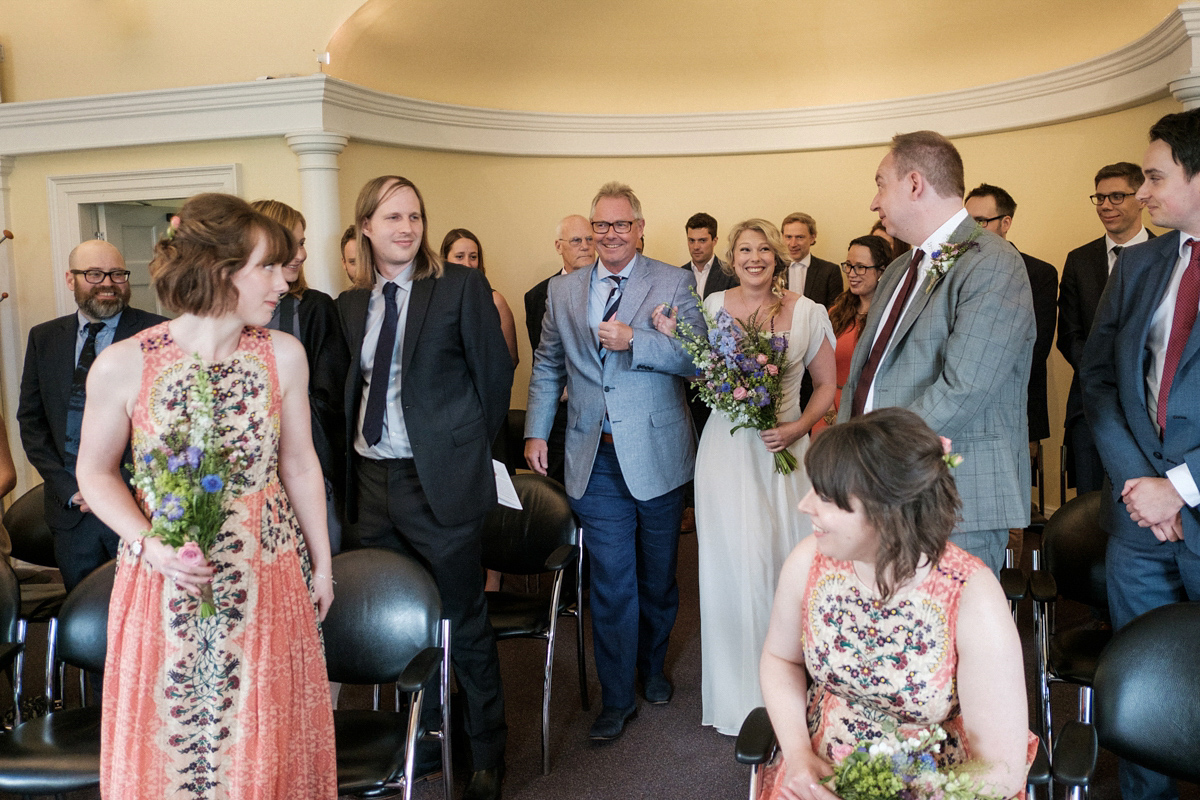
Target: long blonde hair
{"points": [[771, 234], [427, 263]]}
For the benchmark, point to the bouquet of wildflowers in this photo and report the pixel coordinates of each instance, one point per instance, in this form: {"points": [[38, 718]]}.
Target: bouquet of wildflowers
{"points": [[906, 771], [184, 482], [740, 372]]}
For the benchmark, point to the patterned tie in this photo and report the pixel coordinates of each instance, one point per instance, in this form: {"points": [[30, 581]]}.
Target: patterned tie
{"points": [[381, 372], [885, 333], [610, 308], [1186, 303], [78, 396]]}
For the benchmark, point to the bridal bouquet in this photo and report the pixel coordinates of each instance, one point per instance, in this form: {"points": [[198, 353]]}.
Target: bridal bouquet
{"points": [[908, 771], [740, 372], [184, 482]]}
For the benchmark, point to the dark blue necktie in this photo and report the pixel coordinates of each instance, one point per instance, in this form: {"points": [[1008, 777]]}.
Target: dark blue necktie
{"points": [[382, 370], [610, 306], [79, 388]]}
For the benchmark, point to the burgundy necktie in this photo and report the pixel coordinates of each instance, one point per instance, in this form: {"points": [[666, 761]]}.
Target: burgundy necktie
{"points": [[1181, 328], [881, 341]]}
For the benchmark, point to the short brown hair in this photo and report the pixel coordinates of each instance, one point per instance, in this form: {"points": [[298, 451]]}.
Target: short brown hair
{"points": [[800, 216], [453, 235], [932, 155], [1123, 169], [425, 265], [289, 218], [194, 264], [350, 233], [892, 463]]}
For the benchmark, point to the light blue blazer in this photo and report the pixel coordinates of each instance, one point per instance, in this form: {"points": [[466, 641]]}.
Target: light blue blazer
{"points": [[642, 389]]}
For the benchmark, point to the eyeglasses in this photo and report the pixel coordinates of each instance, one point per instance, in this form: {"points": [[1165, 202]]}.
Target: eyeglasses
{"points": [[98, 275], [1116, 198], [856, 269], [577, 241], [985, 221], [620, 226]]}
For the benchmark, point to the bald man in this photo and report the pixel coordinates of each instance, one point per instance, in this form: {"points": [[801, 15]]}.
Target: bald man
{"points": [[57, 358]]}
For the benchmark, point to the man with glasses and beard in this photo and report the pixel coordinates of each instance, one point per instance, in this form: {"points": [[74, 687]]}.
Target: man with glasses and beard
{"points": [[53, 392]]}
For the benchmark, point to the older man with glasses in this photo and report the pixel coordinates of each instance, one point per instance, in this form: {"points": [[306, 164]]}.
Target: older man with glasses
{"points": [[53, 392], [1083, 279]]}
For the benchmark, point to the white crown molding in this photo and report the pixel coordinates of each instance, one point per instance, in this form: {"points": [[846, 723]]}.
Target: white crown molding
{"points": [[1138, 73]]}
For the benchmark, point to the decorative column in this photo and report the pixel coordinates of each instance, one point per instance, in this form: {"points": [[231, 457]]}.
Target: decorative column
{"points": [[318, 152], [1186, 88]]}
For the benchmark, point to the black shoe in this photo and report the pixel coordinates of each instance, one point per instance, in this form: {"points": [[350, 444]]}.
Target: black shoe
{"points": [[611, 723], [485, 784], [658, 690], [428, 762]]}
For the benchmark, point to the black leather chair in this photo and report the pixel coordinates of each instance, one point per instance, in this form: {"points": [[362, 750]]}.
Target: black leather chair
{"points": [[1073, 547], [1147, 690], [10, 645], [542, 537], [41, 599], [60, 752], [386, 626]]}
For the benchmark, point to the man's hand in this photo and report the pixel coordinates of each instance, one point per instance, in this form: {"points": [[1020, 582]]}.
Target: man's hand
{"points": [[537, 455], [1151, 501], [1171, 531], [615, 335], [78, 502]]}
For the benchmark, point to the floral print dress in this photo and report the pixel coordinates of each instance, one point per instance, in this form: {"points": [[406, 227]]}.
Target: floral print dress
{"points": [[236, 705], [882, 672]]}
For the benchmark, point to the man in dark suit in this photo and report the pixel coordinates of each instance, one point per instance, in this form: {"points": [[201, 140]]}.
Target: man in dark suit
{"points": [[993, 208], [53, 392], [815, 278], [427, 392], [577, 247], [1141, 391], [1084, 276]]}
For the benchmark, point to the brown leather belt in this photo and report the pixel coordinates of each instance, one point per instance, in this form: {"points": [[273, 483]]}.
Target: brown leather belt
{"points": [[606, 438]]}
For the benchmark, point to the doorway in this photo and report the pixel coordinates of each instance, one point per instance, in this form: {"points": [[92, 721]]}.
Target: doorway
{"points": [[134, 227]]}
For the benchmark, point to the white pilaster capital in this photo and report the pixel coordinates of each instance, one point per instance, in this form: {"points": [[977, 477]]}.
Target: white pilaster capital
{"points": [[1187, 90], [6, 166], [317, 143]]}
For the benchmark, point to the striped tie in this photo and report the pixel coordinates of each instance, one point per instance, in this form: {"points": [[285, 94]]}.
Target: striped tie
{"points": [[610, 307]]}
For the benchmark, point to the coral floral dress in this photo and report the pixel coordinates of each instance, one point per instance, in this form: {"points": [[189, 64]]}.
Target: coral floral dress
{"points": [[236, 705], [882, 672]]}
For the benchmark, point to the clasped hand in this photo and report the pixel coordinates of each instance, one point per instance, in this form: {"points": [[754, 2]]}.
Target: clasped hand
{"points": [[1155, 504], [665, 323]]}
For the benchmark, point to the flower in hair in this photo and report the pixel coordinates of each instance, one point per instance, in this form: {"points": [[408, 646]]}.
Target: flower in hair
{"points": [[952, 460]]}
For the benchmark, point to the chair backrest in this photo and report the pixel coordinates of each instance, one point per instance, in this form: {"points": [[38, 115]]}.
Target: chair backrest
{"points": [[386, 609], [1073, 544], [25, 521], [519, 542], [1147, 692], [10, 602], [83, 620]]}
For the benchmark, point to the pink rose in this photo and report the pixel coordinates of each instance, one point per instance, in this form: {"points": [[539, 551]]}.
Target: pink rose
{"points": [[946, 445], [841, 752], [761, 358], [192, 555], [772, 369], [740, 393]]}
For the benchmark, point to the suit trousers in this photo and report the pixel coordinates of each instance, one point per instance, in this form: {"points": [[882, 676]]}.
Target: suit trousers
{"points": [[1085, 471], [1143, 574], [80, 550], [633, 545], [393, 512]]}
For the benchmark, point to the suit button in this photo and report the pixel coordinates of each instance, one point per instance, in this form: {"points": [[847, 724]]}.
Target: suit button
{"points": [[1158, 455], [606, 388]]}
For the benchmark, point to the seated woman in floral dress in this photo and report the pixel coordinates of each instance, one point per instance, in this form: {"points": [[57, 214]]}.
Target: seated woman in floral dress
{"points": [[900, 629]]}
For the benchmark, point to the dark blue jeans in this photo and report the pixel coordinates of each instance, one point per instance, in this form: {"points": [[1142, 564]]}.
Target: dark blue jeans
{"points": [[633, 546]]}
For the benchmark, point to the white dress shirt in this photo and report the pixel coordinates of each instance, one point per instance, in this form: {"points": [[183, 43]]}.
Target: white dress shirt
{"points": [[1156, 344], [702, 274], [394, 442], [798, 274], [1141, 236]]}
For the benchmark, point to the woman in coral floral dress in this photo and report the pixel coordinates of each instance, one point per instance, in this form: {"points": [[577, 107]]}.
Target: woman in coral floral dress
{"points": [[235, 705], [900, 629]]}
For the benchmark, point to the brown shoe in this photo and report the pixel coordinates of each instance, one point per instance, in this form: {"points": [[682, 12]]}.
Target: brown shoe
{"points": [[688, 523]]}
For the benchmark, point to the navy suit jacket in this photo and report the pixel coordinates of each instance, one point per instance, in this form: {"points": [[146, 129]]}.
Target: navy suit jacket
{"points": [[42, 410], [1113, 374], [535, 309], [1043, 282], [455, 379], [718, 281]]}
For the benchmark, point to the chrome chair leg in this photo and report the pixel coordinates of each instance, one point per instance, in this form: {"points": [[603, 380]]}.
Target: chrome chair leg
{"points": [[444, 689]]}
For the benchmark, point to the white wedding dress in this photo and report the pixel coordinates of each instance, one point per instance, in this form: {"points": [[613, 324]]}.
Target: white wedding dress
{"points": [[746, 525]]}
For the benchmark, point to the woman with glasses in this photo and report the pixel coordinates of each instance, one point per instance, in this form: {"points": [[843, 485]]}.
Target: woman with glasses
{"points": [[866, 260], [462, 247], [310, 315]]}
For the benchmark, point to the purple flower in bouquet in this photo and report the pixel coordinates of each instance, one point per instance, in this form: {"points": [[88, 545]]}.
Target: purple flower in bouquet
{"points": [[174, 463], [172, 507], [778, 344], [193, 456]]}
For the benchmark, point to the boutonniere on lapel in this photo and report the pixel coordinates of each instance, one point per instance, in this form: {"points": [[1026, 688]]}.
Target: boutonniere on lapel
{"points": [[946, 256]]}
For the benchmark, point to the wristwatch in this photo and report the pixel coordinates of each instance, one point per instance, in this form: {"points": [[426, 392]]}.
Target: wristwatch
{"points": [[136, 546]]}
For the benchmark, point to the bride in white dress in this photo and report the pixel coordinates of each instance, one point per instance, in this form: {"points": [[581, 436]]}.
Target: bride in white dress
{"points": [[746, 517]]}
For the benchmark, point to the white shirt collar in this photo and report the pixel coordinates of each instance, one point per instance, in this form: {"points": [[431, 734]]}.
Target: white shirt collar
{"points": [[941, 235]]}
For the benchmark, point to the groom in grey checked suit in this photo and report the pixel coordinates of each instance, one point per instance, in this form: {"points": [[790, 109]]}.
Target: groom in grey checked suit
{"points": [[958, 347], [630, 444]]}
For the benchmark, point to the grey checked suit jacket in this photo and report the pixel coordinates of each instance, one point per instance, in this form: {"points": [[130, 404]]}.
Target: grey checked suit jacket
{"points": [[960, 359], [641, 388]]}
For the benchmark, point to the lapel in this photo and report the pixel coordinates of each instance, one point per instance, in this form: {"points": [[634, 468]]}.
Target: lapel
{"points": [[418, 305], [59, 354], [577, 309], [1098, 265], [635, 291], [128, 325], [1145, 300], [923, 289]]}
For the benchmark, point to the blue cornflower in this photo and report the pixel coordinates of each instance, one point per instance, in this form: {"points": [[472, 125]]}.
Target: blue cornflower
{"points": [[193, 455], [172, 507], [174, 463], [724, 387], [212, 483], [927, 761], [148, 459]]}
